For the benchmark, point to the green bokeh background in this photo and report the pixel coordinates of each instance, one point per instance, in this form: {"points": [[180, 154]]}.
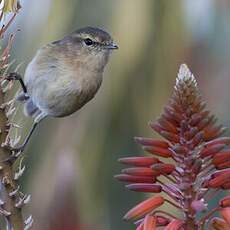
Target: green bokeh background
{"points": [[71, 161]]}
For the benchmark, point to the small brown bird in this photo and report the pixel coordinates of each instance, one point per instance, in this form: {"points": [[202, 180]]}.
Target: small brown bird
{"points": [[64, 75]]}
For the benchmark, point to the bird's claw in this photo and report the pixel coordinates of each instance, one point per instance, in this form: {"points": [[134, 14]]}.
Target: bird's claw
{"points": [[12, 76], [15, 150], [15, 153]]}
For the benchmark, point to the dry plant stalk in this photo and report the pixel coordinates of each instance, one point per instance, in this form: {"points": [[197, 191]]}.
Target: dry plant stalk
{"points": [[11, 199], [199, 165]]}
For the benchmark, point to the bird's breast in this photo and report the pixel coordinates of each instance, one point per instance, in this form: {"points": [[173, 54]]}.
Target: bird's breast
{"points": [[62, 93]]}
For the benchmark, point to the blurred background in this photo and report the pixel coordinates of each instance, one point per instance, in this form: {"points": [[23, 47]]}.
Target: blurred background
{"points": [[70, 162]]}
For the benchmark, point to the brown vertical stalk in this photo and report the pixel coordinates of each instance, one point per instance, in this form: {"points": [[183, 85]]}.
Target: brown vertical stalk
{"points": [[12, 213], [11, 199]]}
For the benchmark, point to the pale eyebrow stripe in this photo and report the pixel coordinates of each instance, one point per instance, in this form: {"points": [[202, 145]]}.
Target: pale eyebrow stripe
{"points": [[85, 35]]}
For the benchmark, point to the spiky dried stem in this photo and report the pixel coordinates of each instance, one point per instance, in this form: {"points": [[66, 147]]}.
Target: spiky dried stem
{"points": [[10, 196], [8, 184]]}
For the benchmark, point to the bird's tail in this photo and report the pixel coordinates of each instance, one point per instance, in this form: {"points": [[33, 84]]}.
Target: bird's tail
{"points": [[29, 108]]}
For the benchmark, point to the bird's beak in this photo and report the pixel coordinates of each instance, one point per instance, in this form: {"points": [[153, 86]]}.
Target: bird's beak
{"points": [[112, 46]]}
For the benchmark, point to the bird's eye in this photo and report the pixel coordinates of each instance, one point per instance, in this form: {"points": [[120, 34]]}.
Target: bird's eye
{"points": [[88, 41]]}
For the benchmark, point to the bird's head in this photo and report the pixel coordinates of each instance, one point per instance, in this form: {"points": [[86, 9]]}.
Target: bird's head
{"points": [[93, 46], [94, 39]]}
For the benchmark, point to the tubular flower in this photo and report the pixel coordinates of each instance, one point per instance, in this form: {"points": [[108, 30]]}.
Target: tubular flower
{"points": [[199, 164]]}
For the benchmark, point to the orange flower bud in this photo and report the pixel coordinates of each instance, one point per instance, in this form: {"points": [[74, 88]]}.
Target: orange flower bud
{"points": [[135, 179], [198, 138], [213, 132], [219, 224], [144, 207], [220, 140], [151, 142], [180, 149], [219, 180], [150, 222], [144, 187], [191, 133], [172, 113], [163, 168], [162, 221], [225, 212], [139, 161], [203, 123], [170, 119], [140, 226], [225, 202], [224, 165], [163, 152], [195, 119], [140, 171], [174, 225], [221, 157], [174, 138], [168, 126], [226, 185], [208, 151]]}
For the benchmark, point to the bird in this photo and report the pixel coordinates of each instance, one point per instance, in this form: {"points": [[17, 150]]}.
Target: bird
{"points": [[64, 75]]}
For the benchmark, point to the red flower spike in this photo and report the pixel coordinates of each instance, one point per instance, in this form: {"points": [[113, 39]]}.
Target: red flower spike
{"points": [[142, 187], [150, 222], [174, 225], [196, 152], [225, 212], [139, 161], [144, 207], [219, 224]]}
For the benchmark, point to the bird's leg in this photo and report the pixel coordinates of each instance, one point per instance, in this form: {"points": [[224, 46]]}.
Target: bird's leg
{"points": [[37, 120], [18, 150], [21, 148], [17, 77]]}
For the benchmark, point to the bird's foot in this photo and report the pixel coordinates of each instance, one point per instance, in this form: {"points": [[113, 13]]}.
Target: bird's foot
{"points": [[17, 77], [15, 153], [13, 76]]}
